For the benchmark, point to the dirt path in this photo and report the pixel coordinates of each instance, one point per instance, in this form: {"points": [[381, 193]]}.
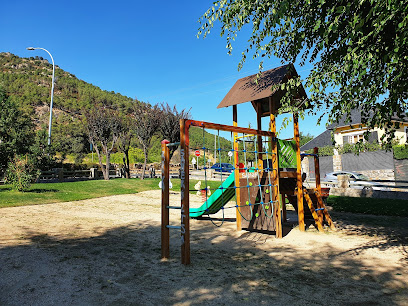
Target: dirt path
{"points": [[106, 251]]}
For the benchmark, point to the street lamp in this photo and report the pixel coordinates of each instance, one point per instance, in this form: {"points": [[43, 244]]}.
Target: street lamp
{"points": [[52, 90]]}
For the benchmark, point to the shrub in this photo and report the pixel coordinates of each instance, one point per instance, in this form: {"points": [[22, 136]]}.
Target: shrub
{"points": [[359, 147], [135, 156], [21, 173], [323, 151], [400, 151]]}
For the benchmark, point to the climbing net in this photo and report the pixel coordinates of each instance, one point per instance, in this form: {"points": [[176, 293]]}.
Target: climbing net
{"points": [[224, 150]]}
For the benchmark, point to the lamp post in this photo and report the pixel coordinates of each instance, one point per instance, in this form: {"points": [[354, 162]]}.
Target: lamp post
{"points": [[52, 90]]}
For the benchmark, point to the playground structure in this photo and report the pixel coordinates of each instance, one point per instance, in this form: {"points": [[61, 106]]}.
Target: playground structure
{"points": [[260, 191]]}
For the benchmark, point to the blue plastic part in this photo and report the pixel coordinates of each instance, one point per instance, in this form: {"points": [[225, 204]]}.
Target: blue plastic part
{"points": [[203, 148], [243, 150], [262, 203], [221, 188], [205, 168]]}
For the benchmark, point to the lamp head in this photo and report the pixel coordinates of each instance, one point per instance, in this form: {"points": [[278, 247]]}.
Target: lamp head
{"points": [[30, 48]]}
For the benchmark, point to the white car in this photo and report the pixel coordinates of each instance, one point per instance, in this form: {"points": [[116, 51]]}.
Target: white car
{"points": [[357, 180]]}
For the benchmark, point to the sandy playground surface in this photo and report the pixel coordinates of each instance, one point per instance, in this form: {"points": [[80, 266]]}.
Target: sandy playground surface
{"points": [[106, 251]]}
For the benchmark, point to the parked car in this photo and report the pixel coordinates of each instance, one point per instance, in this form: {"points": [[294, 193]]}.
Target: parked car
{"points": [[357, 180], [222, 167]]}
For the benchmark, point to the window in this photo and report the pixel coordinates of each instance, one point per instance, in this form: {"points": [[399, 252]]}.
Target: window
{"points": [[406, 134], [353, 138]]}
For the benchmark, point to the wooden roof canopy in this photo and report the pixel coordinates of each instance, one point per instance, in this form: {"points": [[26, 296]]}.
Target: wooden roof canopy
{"points": [[259, 93]]}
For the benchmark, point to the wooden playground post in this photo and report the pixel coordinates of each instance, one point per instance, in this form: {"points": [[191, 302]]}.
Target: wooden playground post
{"points": [[259, 137], [318, 184], [301, 215], [165, 231], [275, 173], [236, 166], [283, 201], [185, 199], [317, 169]]}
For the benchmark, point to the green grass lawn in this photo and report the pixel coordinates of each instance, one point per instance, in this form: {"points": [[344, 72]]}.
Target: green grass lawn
{"points": [[72, 191], [384, 207]]}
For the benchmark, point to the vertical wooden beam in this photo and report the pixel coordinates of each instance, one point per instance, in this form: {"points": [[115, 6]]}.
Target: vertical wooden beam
{"points": [[275, 173], [317, 169], [236, 166], [165, 232], [185, 199], [318, 184], [259, 138], [301, 215], [283, 201]]}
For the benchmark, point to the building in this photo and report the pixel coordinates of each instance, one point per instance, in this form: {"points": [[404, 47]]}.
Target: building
{"points": [[353, 131]]}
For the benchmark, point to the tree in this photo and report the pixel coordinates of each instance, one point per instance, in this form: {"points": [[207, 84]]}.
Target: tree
{"points": [[359, 49], [124, 141], [69, 135], [304, 139], [147, 120], [104, 127], [43, 155], [16, 130], [170, 124]]}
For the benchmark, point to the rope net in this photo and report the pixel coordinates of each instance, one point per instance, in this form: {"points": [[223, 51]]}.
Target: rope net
{"points": [[217, 162]]}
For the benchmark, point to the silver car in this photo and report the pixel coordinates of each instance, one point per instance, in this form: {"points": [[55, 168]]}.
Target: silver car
{"points": [[357, 180]]}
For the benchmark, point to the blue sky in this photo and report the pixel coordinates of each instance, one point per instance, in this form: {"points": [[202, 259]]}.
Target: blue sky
{"points": [[142, 49]]}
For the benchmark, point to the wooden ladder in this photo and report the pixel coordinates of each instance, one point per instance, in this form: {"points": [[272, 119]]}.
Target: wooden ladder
{"points": [[320, 211]]}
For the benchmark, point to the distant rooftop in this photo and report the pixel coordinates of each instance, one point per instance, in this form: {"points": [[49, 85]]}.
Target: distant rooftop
{"points": [[356, 117]]}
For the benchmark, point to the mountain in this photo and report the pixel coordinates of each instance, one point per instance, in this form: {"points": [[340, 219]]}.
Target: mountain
{"points": [[28, 82]]}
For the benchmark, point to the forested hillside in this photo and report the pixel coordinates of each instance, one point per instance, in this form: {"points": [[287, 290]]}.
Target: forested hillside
{"points": [[27, 81]]}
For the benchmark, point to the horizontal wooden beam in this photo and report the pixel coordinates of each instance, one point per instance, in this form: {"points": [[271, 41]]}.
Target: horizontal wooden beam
{"points": [[229, 128]]}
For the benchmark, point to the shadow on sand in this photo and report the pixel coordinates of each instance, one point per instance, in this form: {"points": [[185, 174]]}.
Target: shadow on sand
{"points": [[122, 266]]}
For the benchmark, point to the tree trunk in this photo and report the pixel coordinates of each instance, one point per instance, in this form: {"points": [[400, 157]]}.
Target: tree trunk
{"points": [[145, 162], [127, 164], [106, 173], [99, 159]]}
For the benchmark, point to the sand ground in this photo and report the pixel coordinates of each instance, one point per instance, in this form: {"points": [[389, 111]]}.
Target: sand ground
{"points": [[106, 251]]}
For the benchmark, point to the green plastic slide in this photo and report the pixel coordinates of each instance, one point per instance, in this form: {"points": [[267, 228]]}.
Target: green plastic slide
{"points": [[217, 200]]}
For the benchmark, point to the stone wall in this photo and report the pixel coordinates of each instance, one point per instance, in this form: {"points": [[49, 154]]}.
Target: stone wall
{"points": [[337, 163], [385, 174], [363, 193]]}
